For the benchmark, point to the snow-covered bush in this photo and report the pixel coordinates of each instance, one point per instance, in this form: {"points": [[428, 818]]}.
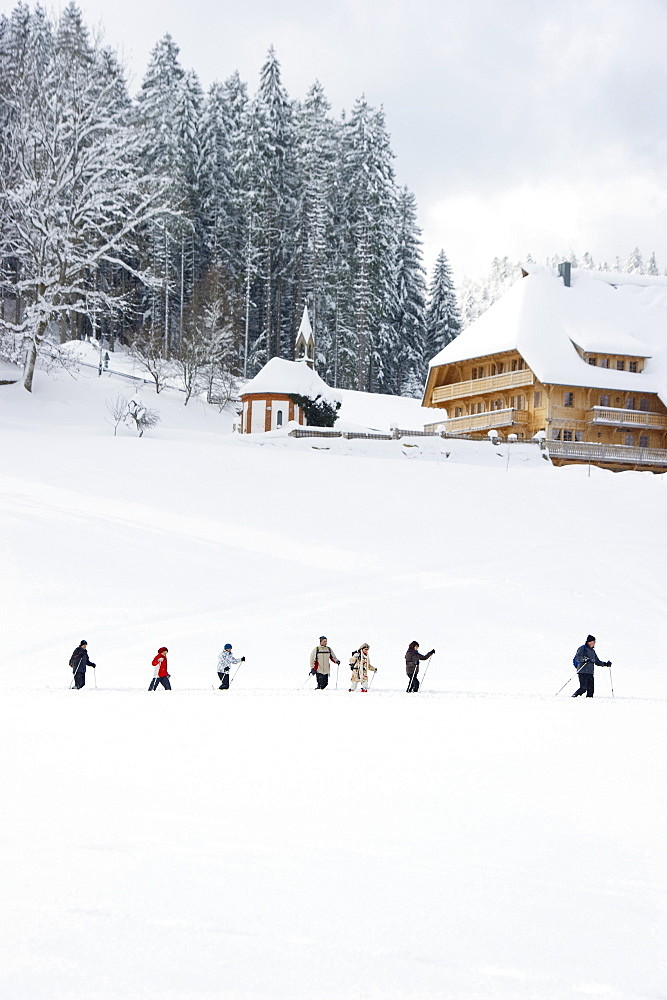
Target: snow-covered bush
{"points": [[141, 416], [318, 412]]}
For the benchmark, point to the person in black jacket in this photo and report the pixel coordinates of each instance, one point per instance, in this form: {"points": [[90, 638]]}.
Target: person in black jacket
{"points": [[78, 661], [412, 658], [587, 659]]}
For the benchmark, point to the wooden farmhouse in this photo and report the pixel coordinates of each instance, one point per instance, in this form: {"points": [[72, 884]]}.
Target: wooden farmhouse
{"points": [[580, 356], [267, 398]]}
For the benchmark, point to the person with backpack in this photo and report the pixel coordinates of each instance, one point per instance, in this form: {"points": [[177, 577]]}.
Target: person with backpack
{"points": [[585, 660], [161, 675], [321, 659], [78, 661], [225, 662], [412, 658], [360, 664]]}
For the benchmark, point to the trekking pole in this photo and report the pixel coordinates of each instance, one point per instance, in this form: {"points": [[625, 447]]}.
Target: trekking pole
{"points": [[566, 684], [95, 676], [428, 664], [237, 670], [337, 669], [612, 684], [372, 679]]}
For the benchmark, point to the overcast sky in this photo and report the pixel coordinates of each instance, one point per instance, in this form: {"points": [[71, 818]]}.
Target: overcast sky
{"points": [[521, 126]]}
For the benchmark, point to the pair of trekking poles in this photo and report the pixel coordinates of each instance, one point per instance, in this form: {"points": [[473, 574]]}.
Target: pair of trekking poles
{"points": [[71, 683], [577, 674]]}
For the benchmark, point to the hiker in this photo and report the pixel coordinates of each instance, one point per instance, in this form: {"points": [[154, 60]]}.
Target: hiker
{"points": [[320, 662], [586, 661], [225, 662], [412, 658], [361, 664], [78, 661], [161, 675]]}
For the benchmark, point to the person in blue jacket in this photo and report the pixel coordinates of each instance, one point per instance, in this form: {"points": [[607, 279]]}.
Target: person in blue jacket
{"points": [[587, 660]]}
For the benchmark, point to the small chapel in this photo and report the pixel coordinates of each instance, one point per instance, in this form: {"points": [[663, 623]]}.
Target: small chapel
{"points": [[267, 398]]}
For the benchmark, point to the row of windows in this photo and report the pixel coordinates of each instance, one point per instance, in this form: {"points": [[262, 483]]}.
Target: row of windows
{"points": [[568, 435], [620, 364], [515, 403], [499, 368], [629, 404]]}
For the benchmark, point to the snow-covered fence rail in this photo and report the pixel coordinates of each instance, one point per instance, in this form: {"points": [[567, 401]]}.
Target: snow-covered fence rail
{"points": [[303, 432], [395, 434], [132, 378], [593, 452]]}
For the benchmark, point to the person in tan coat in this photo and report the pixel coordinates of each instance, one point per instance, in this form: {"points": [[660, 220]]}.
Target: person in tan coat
{"points": [[320, 662], [361, 664]]}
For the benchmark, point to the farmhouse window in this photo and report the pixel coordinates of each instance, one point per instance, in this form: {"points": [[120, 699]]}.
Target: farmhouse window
{"points": [[629, 439], [630, 403], [555, 435], [604, 400], [643, 404], [632, 366], [643, 440], [537, 399], [604, 362], [458, 411], [620, 365], [592, 361], [567, 435], [568, 399], [578, 435]]}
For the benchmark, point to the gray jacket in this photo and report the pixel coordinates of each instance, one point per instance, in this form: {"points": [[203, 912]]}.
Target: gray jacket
{"points": [[588, 659]]}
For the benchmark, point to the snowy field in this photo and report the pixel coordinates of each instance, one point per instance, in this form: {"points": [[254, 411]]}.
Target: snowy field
{"points": [[483, 839]]}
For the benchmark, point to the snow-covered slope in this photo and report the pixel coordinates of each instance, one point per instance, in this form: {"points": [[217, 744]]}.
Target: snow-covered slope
{"points": [[481, 839]]}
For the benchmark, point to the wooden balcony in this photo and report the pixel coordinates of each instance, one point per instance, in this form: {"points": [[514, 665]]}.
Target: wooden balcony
{"points": [[615, 417], [480, 386], [479, 422], [607, 454]]}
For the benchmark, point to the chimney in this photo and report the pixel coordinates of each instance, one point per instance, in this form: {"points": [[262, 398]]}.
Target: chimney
{"points": [[564, 271]]}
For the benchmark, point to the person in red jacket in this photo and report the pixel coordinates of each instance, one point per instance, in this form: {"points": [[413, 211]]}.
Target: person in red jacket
{"points": [[161, 676]]}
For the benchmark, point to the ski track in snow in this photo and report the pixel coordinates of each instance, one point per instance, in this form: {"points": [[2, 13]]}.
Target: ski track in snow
{"points": [[47, 502]]}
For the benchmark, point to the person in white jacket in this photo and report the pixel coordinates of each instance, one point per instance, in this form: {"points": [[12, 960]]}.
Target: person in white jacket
{"points": [[225, 662], [360, 664]]}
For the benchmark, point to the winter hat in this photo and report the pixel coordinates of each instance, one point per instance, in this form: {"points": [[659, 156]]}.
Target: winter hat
{"points": [[322, 637], [590, 638], [364, 645], [228, 645], [163, 649], [83, 643]]}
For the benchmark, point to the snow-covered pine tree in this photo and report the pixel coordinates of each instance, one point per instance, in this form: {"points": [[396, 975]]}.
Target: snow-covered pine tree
{"points": [[405, 368], [316, 244], [635, 263], [368, 215], [269, 177], [169, 112], [443, 322]]}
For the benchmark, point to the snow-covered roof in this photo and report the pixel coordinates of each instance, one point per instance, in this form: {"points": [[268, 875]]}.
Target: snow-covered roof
{"points": [[601, 312], [290, 378]]}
